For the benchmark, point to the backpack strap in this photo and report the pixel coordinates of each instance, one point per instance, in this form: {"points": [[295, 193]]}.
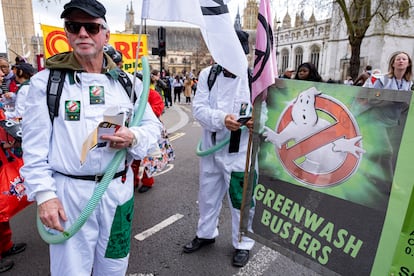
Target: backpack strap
{"points": [[126, 83], [212, 76], [54, 91]]}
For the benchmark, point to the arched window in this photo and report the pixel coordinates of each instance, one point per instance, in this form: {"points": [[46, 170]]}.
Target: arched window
{"points": [[285, 59], [306, 33], [320, 31], [298, 56], [298, 35], [315, 53], [312, 32]]}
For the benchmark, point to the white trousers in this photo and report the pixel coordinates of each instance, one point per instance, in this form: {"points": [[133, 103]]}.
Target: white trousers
{"points": [[91, 251], [214, 185]]}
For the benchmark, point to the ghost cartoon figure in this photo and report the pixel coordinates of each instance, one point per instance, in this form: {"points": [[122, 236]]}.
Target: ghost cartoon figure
{"points": [[306, 123]]}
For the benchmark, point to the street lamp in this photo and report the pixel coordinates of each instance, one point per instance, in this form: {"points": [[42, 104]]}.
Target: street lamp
{"points": [[277, 37]]}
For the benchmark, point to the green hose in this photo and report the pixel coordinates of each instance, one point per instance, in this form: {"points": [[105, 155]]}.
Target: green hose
{"points": [[107, 178], [220, 145]]}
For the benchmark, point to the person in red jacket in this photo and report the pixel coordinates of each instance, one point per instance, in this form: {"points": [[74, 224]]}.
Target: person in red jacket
{"points": [[157, 105]]}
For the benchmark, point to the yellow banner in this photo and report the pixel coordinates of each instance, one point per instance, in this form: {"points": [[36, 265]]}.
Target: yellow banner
{"points": [[55, 41]]}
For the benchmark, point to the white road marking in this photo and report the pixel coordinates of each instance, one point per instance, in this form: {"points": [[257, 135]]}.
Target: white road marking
{"points": [[183, 119], [175, 136], [168, 168], [259, 263], [147, 233]]}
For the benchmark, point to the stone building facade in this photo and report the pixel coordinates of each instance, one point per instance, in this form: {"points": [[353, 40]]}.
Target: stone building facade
{"points": [[20, 31], [325, 42]]}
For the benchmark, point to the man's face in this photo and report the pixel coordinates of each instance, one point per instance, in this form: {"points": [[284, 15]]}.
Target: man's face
{"points": [[4, 66], [87, 40]]}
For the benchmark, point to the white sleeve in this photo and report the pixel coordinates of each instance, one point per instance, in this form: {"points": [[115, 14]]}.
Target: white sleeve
{"points": [[37, 131]]}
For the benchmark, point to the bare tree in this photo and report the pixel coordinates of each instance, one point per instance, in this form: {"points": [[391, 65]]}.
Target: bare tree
{"points": [[358, 16]]}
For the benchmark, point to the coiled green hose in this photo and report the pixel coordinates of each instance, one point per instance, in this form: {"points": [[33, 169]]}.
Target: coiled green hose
{"points": [[108, 176]]}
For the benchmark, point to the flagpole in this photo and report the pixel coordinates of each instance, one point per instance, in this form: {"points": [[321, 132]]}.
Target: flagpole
{"points": [[143, 8]]}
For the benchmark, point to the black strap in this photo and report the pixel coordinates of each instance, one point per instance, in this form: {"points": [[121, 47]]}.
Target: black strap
{"points": [[212, 76], [54, 91], [96, 178], [126, 84], [234, 141]]}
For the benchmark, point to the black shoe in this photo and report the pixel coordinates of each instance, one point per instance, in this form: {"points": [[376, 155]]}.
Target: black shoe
{"points": [[240, 257], [15, 249], [144, 189], [196, 244], [5, 265]]}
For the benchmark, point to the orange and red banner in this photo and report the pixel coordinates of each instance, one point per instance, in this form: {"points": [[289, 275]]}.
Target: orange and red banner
{"points": [[55, 41]]}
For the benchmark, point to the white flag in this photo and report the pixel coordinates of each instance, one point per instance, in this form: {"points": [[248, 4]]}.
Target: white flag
{"points": [[213, 18]]}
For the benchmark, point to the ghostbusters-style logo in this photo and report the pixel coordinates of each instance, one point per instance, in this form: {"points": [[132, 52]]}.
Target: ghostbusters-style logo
{"points": [[72, 106], [317, 139]]}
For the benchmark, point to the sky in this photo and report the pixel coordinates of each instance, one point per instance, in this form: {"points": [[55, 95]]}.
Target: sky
{"points": [[49, 14]]}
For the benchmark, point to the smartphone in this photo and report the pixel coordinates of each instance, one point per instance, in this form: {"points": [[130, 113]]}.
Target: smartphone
{"points": [[243, 120]]}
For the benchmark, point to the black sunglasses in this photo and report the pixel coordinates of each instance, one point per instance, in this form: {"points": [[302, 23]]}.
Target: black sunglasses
{"points": [[91, 28]]}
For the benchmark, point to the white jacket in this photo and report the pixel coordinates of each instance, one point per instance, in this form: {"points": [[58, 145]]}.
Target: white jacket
{"points": [[46, 151], [210, 108]]}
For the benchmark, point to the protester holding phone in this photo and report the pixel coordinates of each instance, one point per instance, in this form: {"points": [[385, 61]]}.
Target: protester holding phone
{"points": [[222, 110]]}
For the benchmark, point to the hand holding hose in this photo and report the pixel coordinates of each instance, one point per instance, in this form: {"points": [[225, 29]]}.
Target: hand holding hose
{"points": [[50, 212]]}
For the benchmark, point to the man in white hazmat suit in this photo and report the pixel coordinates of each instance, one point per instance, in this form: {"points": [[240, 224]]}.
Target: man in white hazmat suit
{"points": [[53, 173], [221, 173]]}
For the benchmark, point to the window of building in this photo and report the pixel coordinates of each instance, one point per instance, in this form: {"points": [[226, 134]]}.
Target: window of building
{"points": [[320, 31], [285, 59], [315, 53], [298, 56]]}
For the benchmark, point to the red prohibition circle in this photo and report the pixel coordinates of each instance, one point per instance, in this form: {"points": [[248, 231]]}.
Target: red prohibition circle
{"points": [[343, 127]]}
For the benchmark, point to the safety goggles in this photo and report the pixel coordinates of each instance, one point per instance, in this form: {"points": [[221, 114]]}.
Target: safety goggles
{"points": [[91, 28]]}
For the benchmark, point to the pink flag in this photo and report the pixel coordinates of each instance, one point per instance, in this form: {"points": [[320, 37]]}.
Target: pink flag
{"points": [[265, 67]]}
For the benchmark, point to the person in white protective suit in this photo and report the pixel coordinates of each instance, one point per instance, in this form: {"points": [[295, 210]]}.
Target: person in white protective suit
{"points": [[55, 177], [221, 111]]}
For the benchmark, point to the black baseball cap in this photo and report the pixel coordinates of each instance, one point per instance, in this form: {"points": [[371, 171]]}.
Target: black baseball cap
{"points": [[91, 7], [27, 68]]}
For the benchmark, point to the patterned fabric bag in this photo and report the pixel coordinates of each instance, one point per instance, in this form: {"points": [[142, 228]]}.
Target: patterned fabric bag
{"points": [[157, 160]]}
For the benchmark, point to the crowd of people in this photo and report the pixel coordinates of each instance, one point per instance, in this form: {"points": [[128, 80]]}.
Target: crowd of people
{"points": [[57, 183], [308, 71]]}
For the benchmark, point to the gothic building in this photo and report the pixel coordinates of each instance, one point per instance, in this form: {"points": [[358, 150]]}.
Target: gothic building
{"points": [[302, 41], [325, 42], [250, 14]]}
